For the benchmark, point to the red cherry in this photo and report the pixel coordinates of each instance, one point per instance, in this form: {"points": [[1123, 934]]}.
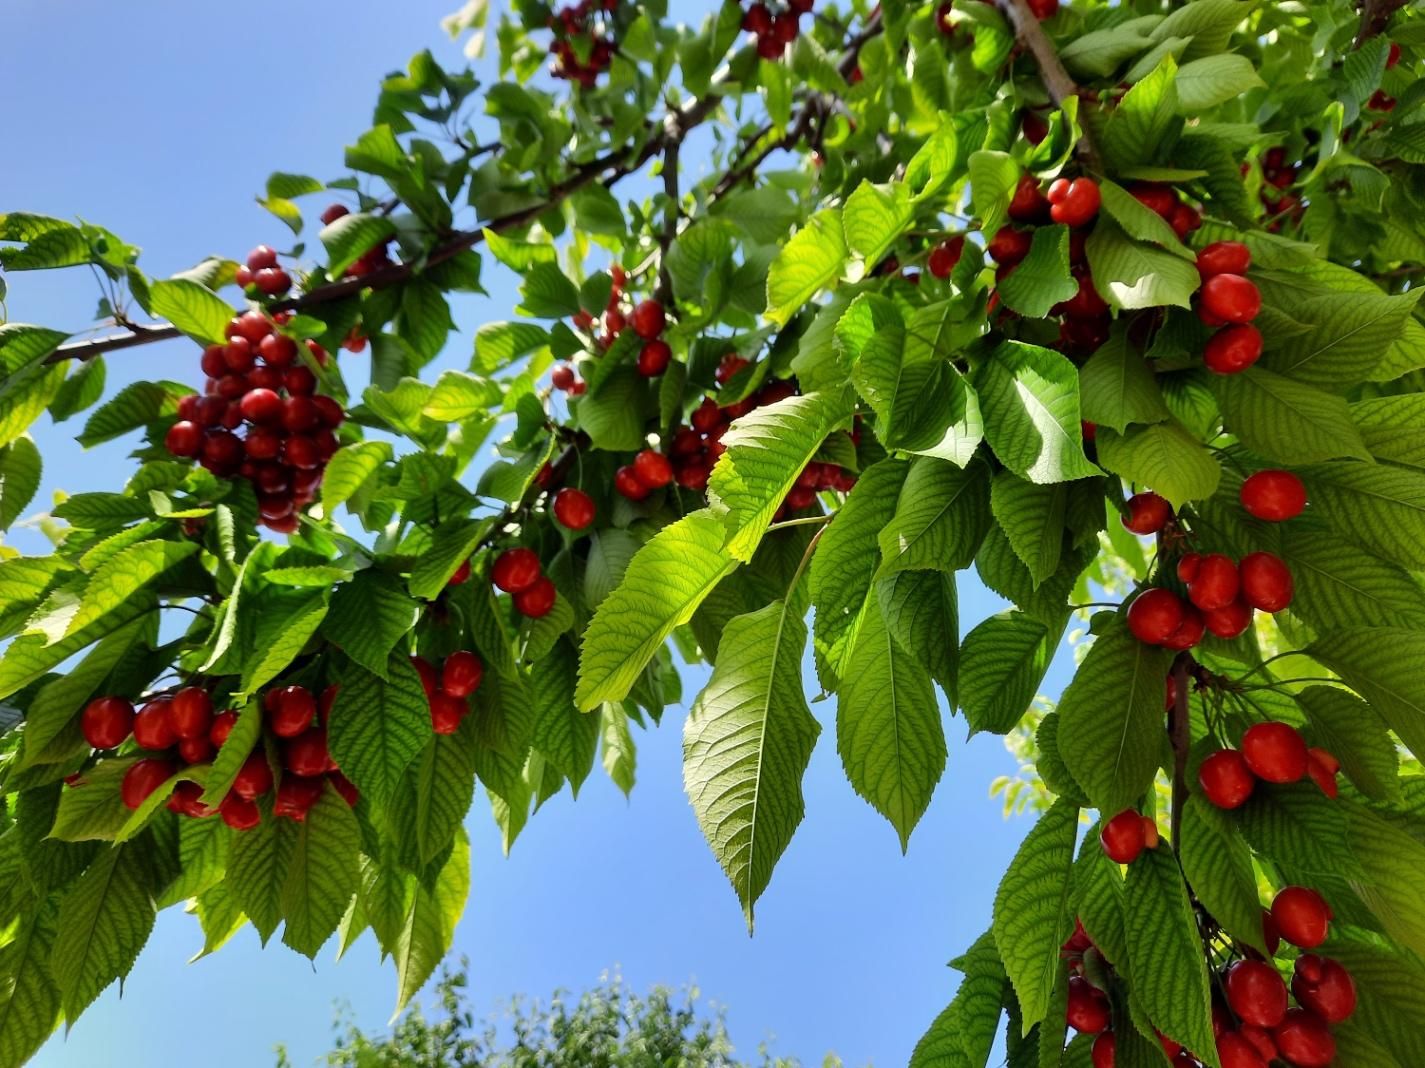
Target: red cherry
{"points": [[332, 212], [1148, 513], [1184, 220], [261, 257], [252, 325], [296, 796], [652, 469], [1216, 583], [1275, 752], [1325, 987], [573, 508], [1234, 1051], [238, 356], [1304, 1040], [195, 750], [153, 726], [1229, 622], [1157, 198], [1044, 9], [222, 727], [785, 28], [562, 377], [1232, 349], [261, 406], [693, 475], [537, 600], [1077, 204], [143, 778], [1274, 496], [461, 673], [300, 414], [1033, 127], [1381, 101], [1225, 779], [628, 484], [1122, 837], [1224, 257], [293, 711], [1302, 916], [1189, 631], [278, 350], [461, 576], [614, 321], [107, 722], [345, 787], [239, 813], [1256, 993], [213, 363], [222, 449], [446, 711], [1392, 56], [516, 570], [944, 256], [1187, 566], [191, 712], [301, 451], [653, 358], [254, 778], [1086, 303], [1266, 582], [1150, 838], [307, 754], [232, 387], [430, 680], [1155, 615], [273, 281], [1231, 298], [1028, 204], [1088, 1007], [648, 319], [1105, 1049], [1009, 245], [184, 439], [1323, 767], [286, 524], [330, 411]]}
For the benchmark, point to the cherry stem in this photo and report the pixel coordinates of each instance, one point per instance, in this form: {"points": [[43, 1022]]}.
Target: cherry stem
{"points": [[802, 563], [804, 521]]}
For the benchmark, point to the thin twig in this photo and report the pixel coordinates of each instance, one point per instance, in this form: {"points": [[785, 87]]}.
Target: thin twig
{"points": [[1056, 79], [1375, 17]]}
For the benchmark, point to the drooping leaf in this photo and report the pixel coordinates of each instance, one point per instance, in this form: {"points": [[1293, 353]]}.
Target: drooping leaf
{"points": [[1029, 397]]}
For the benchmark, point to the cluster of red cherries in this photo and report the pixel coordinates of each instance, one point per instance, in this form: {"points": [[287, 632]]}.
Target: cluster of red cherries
{"points": [[1229, 300], [1270, 752], [1253, 1022], [775, 30], [1278, 174], [519, 573], [448, 689], [256, 381], [373, 259], [647, 319], [183, 730], [586, 21], [1221, 594], [944, 256]]}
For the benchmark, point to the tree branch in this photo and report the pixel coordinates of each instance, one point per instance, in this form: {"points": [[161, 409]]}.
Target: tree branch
{"points": [[1375, 17], [1056, 79]]}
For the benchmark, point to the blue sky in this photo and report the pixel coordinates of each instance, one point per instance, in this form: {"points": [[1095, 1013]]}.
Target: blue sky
{"points": [[161, 120]]}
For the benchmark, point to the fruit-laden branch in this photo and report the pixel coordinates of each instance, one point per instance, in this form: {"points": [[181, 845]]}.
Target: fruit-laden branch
{"points": [[610, 167], [1056, 79], [1375, 16]]}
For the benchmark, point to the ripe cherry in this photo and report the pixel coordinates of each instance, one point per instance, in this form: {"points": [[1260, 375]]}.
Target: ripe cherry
{"points": [[300, 414], [1224, 257], [1105, 1049], [1274, 496], [1154, 615], [1148, 513], [461, 673], [1234, 1051], [1028, 204], [1260, 1040], [1088, 1007], [758, 20], [1231, 298], [345, 787], [562, 377], [296, 796], [1275, 752], [1033, 127], [332, 212], [1009, 245], [307, 754], [187, 800], [648, 319], [107, 722], [1304, 1040], [184, 439], [273, 281], [536, 601], [1392, 56], [1256, 993], [1225, 779], [1266, 582], [628, 484], [153, 726], [261, 406], [1122, 837], [1187, 566], [1323, 986], [573, 508], [461, 575], [330, 411], [239, 813], [1229, 622], [652, 468], [143, 778], [1184, 219], [944, 256], [516, 570], [1302, 916], [191, 712], [223, 724], [1323, 767], [446, 712], [1232, 349], [254, 778], [653, 358], [1216, 583], [1189, 632], [1074, 203], [260, 257], [1044, 9], [430, 679], [293, 711], [195, 750]]}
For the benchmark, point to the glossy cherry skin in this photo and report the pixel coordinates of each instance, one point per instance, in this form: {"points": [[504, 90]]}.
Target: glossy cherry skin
{"points": [[107, 722], [223, 724], [184, 439], [293, 711], [143, 778], [1266, 582], [1304, 1040], [240, 813], [1216, 583], [628, 484], [1075, 203], [1256, 993], [307, 754], [1275, 752], [1325, 987], [944, 256], [461, 673], [573, 508], [1088, 1008], [1122, 837], [1274, 496], [1154, 615], [446, 712], [536, 601], [1009, 245], [1225, 779], [1229, 622], [1148, 513], [1028, 204], [653, 469], [254, 778], [1232, 349], [1224, 257], [1302, 916], [648, 319], [191, 712], [654, 357], [153, 726], [1234, 1051], [1231, 298], [516, 570], [295, 797]]}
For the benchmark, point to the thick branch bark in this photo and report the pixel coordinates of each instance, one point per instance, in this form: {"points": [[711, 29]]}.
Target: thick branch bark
{"points": [[1375, 17], [1056, 79]]}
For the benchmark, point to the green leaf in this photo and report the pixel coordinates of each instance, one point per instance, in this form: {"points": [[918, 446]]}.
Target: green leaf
{"points": [[666, 580], [1213, 80], [1032, 517], [118, 579], [1218, 867], [49, 243], [32, 654], [993, 177], [451, 546], [1031, 915], [1117, 387], [1165, 456], [20, 469], [1139, 221], [24, 397], [1208, 22], [1042, 278], [257, 870], [888, 729], [1393, 428], [499, 344], [1134, 274], [104, 920], [321, 874], [619, 754], [940, 518], [767, 450], [459, 395], [369, 616], [193, 308], [29, 999], [963, 1035], [1111, 719], [1390, 1003], [1147, 119], [1391, 858], [378, 726], [547, 293], [1338, 585], [1165, 962], [922, 613], [812, 260], [1286, 420], [1003, 661], [1030, 400], [351, 237], [1355, 735], [440, 788], [429, 926], [1382, 664], [134, 406], [746, 744], [80, 390], [284, 626], [875, 217], [567, 737], [616, 417], [1347, 334], [1379, 507]]}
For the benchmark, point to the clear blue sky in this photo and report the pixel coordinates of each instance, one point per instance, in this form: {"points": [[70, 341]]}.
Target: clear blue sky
{"points": [[161, 120]]}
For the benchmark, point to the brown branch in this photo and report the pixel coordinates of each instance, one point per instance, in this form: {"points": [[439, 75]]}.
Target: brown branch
{"points": [[1180, 735], [1375, 17], [672, 212], [1056, 79]]}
